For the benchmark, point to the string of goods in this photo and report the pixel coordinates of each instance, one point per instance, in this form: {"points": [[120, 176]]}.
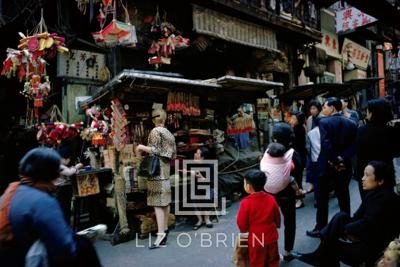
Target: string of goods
{"points": [[118, 125], [139, 133], [241, 124], [131, 179], [185, 103]]}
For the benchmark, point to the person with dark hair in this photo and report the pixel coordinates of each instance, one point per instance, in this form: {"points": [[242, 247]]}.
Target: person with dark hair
{"points": [[297, 121], [259, 216], [63, 182], [283, 134], [203, 214], [314, 108], [28, 212], [311, 123], [375, 140], [347, 112], [313, 145], [331, 106], [362, 237], [338, 136]]}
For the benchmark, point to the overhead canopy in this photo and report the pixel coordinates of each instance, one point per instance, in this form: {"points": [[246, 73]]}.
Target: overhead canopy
{"points": [[309, 90], [246, 84], [329, 89], [145, 82], [354, 85]]}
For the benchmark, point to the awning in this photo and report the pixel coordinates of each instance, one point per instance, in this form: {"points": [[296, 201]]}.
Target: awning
{"points": [[309, 90], [142, 81], [354, 85], [329, 89], [150, 80], [245, 84]]}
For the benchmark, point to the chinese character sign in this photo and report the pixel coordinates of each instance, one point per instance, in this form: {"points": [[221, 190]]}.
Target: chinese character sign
{"points": [[329, 43], [355, 53], [351, 18]]}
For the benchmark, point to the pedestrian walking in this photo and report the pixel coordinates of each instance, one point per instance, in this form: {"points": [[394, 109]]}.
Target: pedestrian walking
{"points": [[29, 213], [259, 216], [338, 136]]}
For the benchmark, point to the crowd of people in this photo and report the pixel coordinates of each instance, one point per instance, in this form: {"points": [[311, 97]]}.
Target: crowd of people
{"points": [[333, 146]]}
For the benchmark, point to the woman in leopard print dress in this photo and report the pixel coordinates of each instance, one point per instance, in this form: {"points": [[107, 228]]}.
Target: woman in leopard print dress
{"points": [[161, 143]]}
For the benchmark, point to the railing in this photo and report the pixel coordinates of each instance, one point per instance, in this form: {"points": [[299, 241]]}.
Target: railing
{"points": [[301, 12]]}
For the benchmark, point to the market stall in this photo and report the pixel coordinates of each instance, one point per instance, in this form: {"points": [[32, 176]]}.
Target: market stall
{"points": [[217, 113]]}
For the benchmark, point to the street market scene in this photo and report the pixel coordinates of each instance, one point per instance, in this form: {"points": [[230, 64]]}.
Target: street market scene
{"points": [[246, 133]]}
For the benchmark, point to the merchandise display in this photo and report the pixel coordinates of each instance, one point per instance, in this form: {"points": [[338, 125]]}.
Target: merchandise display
{"points": [[28, 62]]}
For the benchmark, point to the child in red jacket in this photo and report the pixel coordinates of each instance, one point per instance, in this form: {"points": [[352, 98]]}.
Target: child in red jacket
{"points": [[259, 216]]}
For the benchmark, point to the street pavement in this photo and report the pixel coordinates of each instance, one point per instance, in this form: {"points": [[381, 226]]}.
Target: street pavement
{"points": [[206, 247]]}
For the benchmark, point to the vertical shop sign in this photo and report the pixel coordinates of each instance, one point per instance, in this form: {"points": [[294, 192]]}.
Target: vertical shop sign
{"points": [[329, 43]]}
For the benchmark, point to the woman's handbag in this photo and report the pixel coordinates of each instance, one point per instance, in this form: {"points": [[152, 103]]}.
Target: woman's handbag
{"points": [[150, 166]]}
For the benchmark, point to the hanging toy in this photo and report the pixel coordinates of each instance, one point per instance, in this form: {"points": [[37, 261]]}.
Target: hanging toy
{"points": [[165, 41], [28, 62]]}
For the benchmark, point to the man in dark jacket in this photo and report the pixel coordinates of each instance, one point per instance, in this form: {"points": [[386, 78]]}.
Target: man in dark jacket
{"points": [[338, 136]]}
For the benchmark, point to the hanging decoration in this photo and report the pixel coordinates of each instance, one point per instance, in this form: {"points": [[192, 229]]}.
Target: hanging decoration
{"points": [[117, 32], [52, 134], [98, 129], [118, 124], [28, 62], [187, 104], [56, 130], [165, 41]]}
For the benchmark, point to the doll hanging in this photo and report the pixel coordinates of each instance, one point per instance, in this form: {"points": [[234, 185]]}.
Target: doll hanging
{"points": [[166, 39]]}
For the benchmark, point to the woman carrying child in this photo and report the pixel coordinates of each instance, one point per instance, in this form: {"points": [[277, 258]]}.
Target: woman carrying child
{"points": [[279, 164]]}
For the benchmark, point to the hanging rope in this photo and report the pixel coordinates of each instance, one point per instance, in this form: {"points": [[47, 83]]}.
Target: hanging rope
{"points": [[242, 169], [41, 27], [126, 12], [231, 164], [55, 114]]}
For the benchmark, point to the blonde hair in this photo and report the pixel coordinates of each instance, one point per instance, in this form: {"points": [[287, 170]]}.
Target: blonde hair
{"points": [[159, 116]]}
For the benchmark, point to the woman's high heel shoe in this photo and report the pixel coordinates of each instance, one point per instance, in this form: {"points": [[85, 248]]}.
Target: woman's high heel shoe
{"points": [[162, 242]]}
